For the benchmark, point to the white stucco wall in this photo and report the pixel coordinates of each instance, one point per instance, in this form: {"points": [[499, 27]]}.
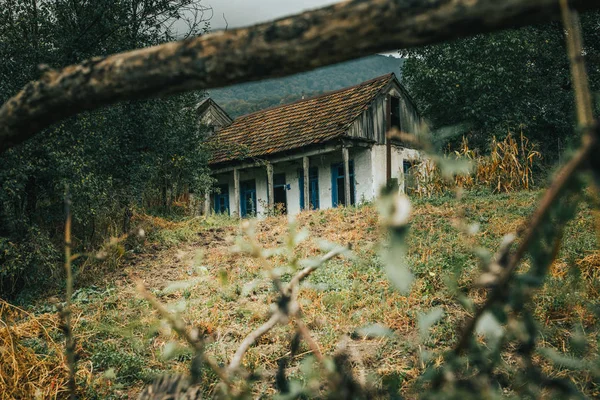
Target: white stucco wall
{"points": [[363, 174], [369, 176], [378, 165], [363, 177], [378, 168]]}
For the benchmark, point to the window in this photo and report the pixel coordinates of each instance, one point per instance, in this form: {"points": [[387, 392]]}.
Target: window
{"points": [[221, 200], [248, 198], [338, 191], [313, 187]]}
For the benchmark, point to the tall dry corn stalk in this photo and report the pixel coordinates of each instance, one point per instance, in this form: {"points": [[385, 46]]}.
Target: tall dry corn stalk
{"points": [[508, 168]]}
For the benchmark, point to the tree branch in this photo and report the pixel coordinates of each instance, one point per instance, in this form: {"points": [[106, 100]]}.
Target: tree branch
{"points": [[286, 46], [251, 339], [312, 344], [65, 312], [287, 307], [564, 177], [181, 328]]}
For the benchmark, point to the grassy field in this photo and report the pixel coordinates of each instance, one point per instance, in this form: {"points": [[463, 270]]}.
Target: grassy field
{"points": [[121, 341]]}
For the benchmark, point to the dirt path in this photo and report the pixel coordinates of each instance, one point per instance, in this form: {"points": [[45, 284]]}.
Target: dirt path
{"points": [[159, 268]]}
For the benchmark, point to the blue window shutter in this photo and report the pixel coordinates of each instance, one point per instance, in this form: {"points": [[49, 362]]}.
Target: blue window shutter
{"points": [[248, 198], [313, 190], [301, 186], [334, 176], [221, 200]]}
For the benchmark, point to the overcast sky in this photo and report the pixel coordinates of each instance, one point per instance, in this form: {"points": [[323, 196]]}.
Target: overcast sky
{"points": [[248, 12]]}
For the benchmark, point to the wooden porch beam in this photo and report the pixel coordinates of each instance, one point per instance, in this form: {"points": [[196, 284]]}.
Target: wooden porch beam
{"points": [[298, 156], [305, 171], [207, 203], [388, 141], [236, 193], [270, 188], [346, 158]]}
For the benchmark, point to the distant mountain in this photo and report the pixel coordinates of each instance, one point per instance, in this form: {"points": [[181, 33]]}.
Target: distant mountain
{"points": [[250, 97]]}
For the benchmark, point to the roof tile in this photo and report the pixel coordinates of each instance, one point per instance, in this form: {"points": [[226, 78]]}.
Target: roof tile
{"points": [[290, 126]]}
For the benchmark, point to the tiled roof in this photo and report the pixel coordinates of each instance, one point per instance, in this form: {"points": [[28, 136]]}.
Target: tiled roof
{"points": [[305, 122]]}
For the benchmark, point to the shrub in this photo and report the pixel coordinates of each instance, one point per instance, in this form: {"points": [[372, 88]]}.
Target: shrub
{"points": [[30, 260]]}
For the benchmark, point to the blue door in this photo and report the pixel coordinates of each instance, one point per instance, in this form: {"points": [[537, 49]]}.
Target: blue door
{"points": [[221, 200], [338, 193], [313, 188], [248, 198]]}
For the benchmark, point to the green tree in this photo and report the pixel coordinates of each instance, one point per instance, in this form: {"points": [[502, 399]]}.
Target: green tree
{"points": [[113, 159], [511, 80]]}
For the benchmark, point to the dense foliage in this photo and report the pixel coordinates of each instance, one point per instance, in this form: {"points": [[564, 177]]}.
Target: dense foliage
{"points": [[135, 154], [516, 80], [249, 97]]}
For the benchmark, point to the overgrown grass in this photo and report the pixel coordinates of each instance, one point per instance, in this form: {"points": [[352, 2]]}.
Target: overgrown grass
{"points": [[121, 342]]}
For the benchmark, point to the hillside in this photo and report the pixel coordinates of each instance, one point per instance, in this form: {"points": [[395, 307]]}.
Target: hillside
{"points": [[227, 294], [249, 97]]}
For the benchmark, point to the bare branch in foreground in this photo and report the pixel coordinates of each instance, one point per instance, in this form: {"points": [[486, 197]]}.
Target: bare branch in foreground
{"points": [[66, 311], [563, 178], [286, 46], [312, 344], [287, 307], [181, 328], [303, 274], [252, 338]]}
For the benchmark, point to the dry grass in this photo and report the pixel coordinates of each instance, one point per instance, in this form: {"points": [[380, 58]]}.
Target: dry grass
{"points": [[115, 329], [24, 373], [507, 168]]}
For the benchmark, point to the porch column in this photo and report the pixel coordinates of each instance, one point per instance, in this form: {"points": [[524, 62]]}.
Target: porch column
{"points": [[236, 193], [388, 142], [305, 169], [346, 158], [270, 188], [207, 203]]}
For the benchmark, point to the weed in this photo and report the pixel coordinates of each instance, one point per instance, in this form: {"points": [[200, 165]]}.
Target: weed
{"points": [[508, 167], [116, 329]]}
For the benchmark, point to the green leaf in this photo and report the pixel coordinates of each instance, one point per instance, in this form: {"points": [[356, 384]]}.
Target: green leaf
{"points": [[178, 307], [396, 264], [562, 360], [375, 330], [110, 374], [169, 351], [426, 321], [179, 286], [488, 326], [450, 166]]}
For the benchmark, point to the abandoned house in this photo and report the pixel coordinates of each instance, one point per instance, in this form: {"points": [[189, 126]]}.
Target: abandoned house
{"points": [[316, 153]]}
